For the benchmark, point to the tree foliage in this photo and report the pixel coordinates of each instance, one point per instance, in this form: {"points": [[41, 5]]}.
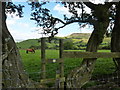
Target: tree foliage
{"points": [[99, 18], [49, 23], [15, 9], [68, 44]]}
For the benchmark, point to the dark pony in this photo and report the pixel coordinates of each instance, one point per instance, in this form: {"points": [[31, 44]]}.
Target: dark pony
{"points": [[30, 50]]}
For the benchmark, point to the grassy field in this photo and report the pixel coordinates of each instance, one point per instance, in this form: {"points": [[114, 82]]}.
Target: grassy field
{"points": [[32, 64]]}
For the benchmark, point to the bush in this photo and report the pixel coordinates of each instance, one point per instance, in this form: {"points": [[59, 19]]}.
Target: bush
{"points": [[75, 47], [106, 47], [68, 44]]}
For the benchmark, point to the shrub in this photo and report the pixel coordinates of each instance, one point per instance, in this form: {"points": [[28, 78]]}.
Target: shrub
{"points": [[68, 44]]}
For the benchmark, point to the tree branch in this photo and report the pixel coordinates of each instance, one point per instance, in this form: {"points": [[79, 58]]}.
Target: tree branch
{"points": [[60, 20], [90, 5], [106, 0], [67, 23], [108, 4]]}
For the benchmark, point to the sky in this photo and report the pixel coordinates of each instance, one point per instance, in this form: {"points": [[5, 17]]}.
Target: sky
{"points": [[24, 28]]}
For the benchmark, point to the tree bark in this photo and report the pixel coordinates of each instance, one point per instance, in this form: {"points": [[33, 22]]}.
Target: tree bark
{"points": [[13, 74], [81, 75], [115, 40]]}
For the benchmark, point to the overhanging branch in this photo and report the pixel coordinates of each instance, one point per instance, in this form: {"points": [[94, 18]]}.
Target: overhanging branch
{"points": [[90, 5], [108, 4], [60, 20], [67, 23]]}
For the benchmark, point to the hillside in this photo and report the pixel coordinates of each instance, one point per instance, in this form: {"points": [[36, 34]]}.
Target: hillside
{"points": [[79, 41], [28, 43], [79, 35]]}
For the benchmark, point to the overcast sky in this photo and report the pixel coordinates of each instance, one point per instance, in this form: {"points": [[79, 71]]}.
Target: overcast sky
{"points": [[24, 28]]}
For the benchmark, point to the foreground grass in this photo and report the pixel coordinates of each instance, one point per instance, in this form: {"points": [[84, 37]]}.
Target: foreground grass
{"points": [[32, 64]]}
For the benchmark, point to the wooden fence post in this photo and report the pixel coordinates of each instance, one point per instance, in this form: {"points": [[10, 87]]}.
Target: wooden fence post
{"points": [[61, 48], [43, 66]]}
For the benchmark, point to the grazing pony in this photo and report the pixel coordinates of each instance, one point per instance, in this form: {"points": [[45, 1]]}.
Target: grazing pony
{"points": [[30, 50]]}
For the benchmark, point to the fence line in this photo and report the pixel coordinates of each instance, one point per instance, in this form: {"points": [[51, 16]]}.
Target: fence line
{"points": [[73, 54], [59, 80]]}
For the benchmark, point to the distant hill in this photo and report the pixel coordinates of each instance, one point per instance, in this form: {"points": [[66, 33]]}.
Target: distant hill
{"points": [[79, 35], [79, 39], [28, 43]]}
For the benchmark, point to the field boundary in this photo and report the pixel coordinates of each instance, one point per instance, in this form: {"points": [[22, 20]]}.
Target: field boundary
{"points": [[60, 79], [73, 54]]}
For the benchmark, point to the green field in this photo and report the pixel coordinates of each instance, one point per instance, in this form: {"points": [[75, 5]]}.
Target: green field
{"points": [[32, 64]]}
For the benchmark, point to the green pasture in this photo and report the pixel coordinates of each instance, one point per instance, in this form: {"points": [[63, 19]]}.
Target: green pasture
{"points": [[32, 64]]}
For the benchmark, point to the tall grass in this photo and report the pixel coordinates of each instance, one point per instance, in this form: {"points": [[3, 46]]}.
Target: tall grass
{"points": [[32, 64]]}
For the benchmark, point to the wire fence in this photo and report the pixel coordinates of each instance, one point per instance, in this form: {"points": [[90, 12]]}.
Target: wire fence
{"points": [[111, 80]]}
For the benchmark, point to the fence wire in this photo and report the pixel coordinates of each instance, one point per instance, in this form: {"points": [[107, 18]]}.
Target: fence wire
{"points": [[101, 81], [108, 81]]}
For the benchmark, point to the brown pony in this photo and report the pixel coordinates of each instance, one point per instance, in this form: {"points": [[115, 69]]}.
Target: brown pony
{"points": [[30, 50]]}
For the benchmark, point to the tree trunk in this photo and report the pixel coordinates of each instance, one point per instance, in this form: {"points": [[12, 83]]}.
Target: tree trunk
{"points": [[115, 40], [13, 74], [81, 75]]}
